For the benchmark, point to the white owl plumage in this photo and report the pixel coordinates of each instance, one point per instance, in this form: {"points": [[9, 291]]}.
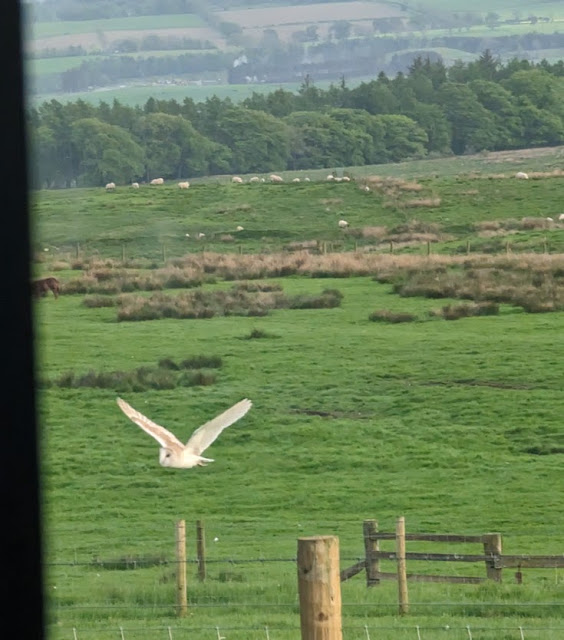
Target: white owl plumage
{"points": [[175, 454]]}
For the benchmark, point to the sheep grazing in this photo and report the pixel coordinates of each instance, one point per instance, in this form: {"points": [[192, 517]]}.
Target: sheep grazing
{"points": [[346, 179], [157, 181], [275, 178], [239, 228], [184, 185], [561, 217], [337, 179], [135, 185], [367, 189], [330, 177], [550, 219], [254, 179], [343, 224], [237, 180], [306, 179], [110, 186], [201, 235], [296, 180], [521, 175]]}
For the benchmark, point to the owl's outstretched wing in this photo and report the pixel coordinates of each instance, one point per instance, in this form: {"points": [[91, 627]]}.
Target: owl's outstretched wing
{"points": [[164, 437], [208, 432]]}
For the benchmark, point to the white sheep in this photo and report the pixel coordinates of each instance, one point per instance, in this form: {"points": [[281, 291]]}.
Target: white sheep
{"points": [[157, 181], [201, 235], [110, 186], [239, 228], [561, 217], [306, 179], [135, 185], [255, 179], [184, 185], [521, 175], [367, 189], [187, 235], [346, 179], [275, 178], [337, 179], [237, 180], [296, 180], [343, 224], [330, 177], [549, 219]]}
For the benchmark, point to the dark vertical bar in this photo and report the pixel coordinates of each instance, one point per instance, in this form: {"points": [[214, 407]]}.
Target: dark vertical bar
{"points": [[19, 477]]}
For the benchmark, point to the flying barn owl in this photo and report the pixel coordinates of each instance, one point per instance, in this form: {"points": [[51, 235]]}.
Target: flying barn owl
{"points": [[175, 454]]}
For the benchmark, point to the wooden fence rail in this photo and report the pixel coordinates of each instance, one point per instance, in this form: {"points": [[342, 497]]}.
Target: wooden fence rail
{"points": [[492, 557]]}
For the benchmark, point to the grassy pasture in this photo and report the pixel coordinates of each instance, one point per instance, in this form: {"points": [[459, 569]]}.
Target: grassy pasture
{"points": [[352, 419], [135, 23]]}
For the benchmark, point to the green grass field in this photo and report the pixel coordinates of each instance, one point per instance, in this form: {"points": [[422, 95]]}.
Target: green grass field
{"points": [[352, 419], [135, 23]]}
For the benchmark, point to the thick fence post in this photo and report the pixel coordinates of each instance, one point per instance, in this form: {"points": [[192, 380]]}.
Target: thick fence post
{"points": [[372, 564], [319, 588], [181, 597], [403, 599], [201, 550], [492, 545]]}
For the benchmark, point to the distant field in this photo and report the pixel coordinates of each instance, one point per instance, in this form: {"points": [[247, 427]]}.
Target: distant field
{"points": [[96, 41], [505, 8], [134, 95], [40, 66], [137, 23], [309, 13]]}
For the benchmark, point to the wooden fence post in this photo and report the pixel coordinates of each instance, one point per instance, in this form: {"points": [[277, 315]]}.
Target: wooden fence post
{"points": [[201, 550], [181, 597], [372, 564], [428, 248], [123, 253], [319, 588], [403, 599], [492, 545], [391, 246], [467, 247]]}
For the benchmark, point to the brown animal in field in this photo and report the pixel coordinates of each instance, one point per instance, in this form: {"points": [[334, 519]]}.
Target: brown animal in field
{"points": [[40, 288]]}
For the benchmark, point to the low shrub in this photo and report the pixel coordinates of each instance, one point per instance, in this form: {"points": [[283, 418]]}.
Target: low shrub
{"points": [[384, 315]]}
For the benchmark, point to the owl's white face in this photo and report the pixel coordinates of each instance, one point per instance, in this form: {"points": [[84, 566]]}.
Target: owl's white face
{"points": [[165, 457]]}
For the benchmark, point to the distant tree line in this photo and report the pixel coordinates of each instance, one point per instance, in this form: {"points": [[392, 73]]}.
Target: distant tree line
{"points": [[275, 61], [430, 110]]}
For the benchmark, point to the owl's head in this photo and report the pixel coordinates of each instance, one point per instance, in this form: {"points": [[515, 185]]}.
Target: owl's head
{"points": [[165, 457]]}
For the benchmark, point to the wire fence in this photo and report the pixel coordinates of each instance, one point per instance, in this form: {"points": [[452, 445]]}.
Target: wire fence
{"points": [[351, 632]]}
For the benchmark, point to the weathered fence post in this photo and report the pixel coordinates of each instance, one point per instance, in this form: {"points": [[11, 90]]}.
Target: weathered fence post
{"points": [[123, 253], [492, 545], [428, 248], [391, 246], [467, 247], [372, 564], [319, 588], [201, 550], [164, 252], [181, 597], [403, 599]]}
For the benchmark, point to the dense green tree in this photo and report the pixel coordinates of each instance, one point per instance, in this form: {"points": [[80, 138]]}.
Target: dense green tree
{"points": [[473, 126], [323, 141], [368, 130], [257, 140], [403, 138], [106, 152], [374, 97], [540, 127], [174, 149], [504, 110]]}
